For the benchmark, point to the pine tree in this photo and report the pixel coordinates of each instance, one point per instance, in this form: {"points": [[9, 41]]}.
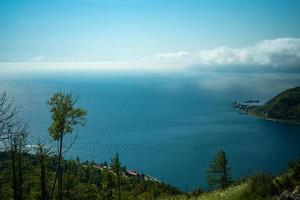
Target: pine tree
{"points": [[218, 173], [117, 169]]}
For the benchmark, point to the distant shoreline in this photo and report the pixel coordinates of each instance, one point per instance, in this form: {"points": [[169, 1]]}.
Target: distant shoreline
{"points": [[252, 111]]}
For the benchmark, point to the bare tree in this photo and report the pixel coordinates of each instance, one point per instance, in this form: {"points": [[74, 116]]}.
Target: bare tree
{"points": [[20, 148], [42, 152], [13, 134], [7, 114]]}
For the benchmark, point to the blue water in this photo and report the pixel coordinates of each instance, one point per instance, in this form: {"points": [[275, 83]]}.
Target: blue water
{"points": [[165, 125]]}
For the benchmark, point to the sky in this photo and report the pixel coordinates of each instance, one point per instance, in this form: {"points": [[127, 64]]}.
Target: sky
{"points": [[197, 34]]}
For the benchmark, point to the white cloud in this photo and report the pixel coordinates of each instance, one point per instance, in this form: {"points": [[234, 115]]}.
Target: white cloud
{"points": [[38, 58], [178, 55], [278, 54]]}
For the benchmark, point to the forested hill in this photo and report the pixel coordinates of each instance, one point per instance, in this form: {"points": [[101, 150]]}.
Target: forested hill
{"points": [[285, 106], [82, 180]]}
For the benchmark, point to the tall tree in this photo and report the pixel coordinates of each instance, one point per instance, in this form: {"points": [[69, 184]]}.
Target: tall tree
{"points": [[21, 137], [64, 118], [218, 173], [117, 169], [13, 168], [42, 152]]}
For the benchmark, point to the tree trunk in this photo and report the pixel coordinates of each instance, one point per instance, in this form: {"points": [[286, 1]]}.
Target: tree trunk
{"points": [[20, 174], [60, 169], [68, 186], [119, 187], [58, 173], [54, 183], [43, 177], [60, 184], [13, 166]]}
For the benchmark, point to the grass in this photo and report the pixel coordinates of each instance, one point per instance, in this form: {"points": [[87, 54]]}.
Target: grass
{"points": [[232, 193]]}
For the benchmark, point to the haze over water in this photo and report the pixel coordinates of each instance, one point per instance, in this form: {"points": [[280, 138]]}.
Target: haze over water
{"points": [[166, 125]]}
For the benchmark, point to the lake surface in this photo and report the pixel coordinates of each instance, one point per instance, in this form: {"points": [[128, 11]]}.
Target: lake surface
{"points": [[167, 125]]}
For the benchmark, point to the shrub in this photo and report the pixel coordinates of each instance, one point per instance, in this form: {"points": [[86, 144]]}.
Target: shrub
{"points": [[261, 186]]}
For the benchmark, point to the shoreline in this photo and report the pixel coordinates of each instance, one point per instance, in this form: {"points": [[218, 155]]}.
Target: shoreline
{"points": [[250, 110], [273, 119]]}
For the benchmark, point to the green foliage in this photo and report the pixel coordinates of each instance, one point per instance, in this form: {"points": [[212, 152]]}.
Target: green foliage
{"points": [[116, 165], [86, 191], [64, 115], [108, 186], [285, 106], [233, 192], [290, 178], [117, 169], [218, 173], [81, 181], [261, 186], [64, 118], [293, 171]]}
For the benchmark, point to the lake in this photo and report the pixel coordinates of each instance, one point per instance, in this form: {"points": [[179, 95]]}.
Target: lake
{"points": [[166, 125]]}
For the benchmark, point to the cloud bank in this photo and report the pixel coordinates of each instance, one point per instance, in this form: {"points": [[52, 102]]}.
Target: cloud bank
{"points": [[278, 55], [282, 54]]}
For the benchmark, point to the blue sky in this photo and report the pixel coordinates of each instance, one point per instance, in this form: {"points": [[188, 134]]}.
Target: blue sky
{"points": [[121, 30]]}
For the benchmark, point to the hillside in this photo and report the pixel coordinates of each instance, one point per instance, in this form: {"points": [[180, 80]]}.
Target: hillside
{"points": [[82, 180], [283, 107], [259, 186]]}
